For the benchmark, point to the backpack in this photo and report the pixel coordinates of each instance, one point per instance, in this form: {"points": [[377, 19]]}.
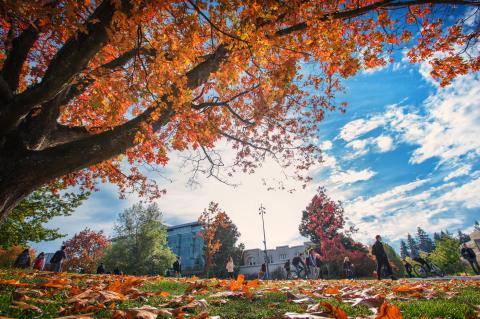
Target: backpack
{"points": [[57, 257], [296, 261]]}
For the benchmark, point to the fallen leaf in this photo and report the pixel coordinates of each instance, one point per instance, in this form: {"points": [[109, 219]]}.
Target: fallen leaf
{"points": [[388, 311], [25, 306]]}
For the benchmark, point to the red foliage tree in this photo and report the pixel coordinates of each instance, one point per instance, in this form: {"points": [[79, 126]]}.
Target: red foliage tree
{"points": [[86, 85], [211, 219], [84, 250], [323, 222]]}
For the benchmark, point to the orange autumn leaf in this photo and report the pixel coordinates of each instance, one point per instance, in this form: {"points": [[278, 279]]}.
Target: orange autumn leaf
{"points": [[331, 291], [13, 282], [333, 310], [388, 311], [407, 288], [237, 284]]}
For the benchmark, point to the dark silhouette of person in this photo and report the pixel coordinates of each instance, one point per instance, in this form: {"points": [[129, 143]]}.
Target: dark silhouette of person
{"points": [[382, 260]]}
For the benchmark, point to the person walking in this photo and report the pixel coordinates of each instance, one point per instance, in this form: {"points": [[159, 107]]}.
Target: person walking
{"points": [[471, 257], [230, 268], [382, 260], [39, 262], [263, 271], [177, 267], [58, 259], [101, 269], [312, 264], [347, 268], [23, 260], [408, 268], [288, 269]]}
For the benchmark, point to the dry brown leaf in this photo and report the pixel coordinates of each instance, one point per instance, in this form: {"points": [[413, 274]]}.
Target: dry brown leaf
{"points": [[25, 306], [388, 311]]}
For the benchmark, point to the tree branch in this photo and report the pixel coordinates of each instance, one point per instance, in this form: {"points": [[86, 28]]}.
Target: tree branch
{"points": [[70, 60]]}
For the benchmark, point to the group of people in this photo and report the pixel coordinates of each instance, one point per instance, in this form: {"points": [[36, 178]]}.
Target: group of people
{"points": [[309, 266], [24, 261]]}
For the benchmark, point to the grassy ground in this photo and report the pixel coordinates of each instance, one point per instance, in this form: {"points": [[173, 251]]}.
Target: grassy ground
{"points": [[268, 300]]}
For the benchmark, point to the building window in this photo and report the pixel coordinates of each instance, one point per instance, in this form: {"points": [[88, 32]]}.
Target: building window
{"points": [[251, 261], [283, 256]]}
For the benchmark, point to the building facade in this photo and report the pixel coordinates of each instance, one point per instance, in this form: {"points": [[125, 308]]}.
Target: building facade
{"points": [[254, 258], [184, 241]]}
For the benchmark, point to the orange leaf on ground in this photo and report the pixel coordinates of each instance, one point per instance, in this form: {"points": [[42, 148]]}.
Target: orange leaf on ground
{"points": [[331, 291], [389, 311], [237, 284], [335, 311], [407, 288], [13, 282]]}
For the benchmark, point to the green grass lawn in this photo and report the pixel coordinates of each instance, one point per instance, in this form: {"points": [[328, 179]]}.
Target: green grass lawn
{"points": [[267, 301]]}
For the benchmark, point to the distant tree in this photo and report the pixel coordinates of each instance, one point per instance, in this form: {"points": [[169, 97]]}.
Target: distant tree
{"points": [[412, 245], [140, 243], [211, 220], [403, 249], [323, 222], [462, 237], [27, 221], [84, 250], [228, 236], [425, 243], [436, 236], [476, 226], [395, 261], [322, 219], [447, 255]]}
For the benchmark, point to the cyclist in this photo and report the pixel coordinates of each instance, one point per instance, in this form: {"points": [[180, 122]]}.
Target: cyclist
{"points": [[347, 267], [415, 255], [408, 268], [471, 257], [299, 264]]}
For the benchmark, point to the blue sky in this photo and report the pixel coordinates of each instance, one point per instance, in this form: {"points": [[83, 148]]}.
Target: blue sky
{"points": [[405, 154]]}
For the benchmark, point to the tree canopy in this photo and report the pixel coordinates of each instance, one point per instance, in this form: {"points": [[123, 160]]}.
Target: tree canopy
{"points": [[84, 250], [27, 221], [140, 243], [86, 86]]}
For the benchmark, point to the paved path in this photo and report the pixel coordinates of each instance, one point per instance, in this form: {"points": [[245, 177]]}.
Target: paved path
{"points": [[449, 278]]}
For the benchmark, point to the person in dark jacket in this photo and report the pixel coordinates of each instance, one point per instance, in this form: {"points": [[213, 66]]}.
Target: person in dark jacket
{"points": [[408, 268], [471, 257], [117, 271], [382, 260], [288, 269], [57, 259], [177, 267], [23, 260], [263, 272], [101, 269]]}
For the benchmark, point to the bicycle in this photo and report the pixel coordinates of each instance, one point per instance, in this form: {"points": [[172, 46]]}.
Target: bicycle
{"points": [[423, 272]]}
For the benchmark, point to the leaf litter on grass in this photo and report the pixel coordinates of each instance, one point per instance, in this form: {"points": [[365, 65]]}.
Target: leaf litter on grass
{"points": [[84, 296]]}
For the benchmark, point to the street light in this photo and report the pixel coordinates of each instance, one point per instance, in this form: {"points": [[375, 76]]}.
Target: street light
{"points": [[263, 212]]}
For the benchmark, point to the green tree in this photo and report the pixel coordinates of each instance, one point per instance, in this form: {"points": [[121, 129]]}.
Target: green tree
{"points": [[447, 256], [462, 237], [403, 249], [425, 243], [412, 245], [27, 220], [228, 236], [476, 226], [140, 246], [394, 259]]}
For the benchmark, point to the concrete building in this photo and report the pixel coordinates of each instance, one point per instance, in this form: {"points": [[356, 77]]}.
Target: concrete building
{"points": [[254, 258], [184, 241]]}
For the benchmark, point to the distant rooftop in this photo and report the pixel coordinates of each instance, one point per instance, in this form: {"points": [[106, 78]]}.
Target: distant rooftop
{"points": [[183, 225]]}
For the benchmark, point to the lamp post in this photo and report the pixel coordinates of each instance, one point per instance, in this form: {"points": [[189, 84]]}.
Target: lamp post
{"points": [[263, 212]]}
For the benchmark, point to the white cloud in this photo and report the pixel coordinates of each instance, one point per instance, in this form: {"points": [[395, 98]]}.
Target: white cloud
{"points": [[358, 127], [467, 195], [384, 143], [326, 145], [464, 170], [352, 176]]}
